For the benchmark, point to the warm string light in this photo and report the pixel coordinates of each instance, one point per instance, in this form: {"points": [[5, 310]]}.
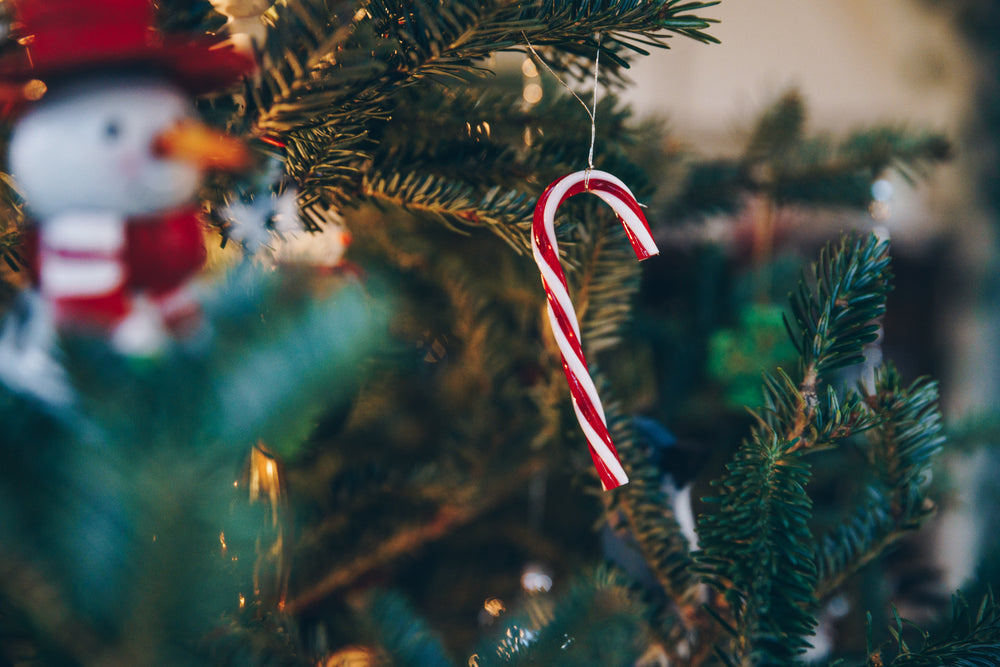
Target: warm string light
{"points": [[532, 92], [265, 480], [494, 607]]}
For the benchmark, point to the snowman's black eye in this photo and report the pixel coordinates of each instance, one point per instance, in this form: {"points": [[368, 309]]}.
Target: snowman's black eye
{"points": [[112, 130]]}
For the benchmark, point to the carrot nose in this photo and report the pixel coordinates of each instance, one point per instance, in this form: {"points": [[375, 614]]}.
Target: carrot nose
{"points": [[203, 146]]}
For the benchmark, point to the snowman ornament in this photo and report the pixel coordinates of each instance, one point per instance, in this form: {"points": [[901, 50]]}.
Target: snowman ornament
{"points": [[109, 160]]}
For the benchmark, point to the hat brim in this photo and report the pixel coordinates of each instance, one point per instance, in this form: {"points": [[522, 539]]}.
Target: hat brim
{"points": [[197, 66]]}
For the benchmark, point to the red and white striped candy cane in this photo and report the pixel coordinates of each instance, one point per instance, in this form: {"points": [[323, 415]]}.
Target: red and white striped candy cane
{"points": [[562, 316]]}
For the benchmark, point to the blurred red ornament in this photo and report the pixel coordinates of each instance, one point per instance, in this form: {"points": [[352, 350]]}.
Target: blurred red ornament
{"points": [[62, 37]]}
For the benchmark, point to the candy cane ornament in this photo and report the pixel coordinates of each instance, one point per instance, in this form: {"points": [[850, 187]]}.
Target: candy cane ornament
{"points": [[562, 316]]}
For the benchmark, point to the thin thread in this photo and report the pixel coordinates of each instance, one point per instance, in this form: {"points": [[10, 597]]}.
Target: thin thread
{"points": [[592, 114]]}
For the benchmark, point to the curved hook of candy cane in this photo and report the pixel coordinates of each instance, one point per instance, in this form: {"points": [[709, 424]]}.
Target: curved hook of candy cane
{"points": [[562, 316]]}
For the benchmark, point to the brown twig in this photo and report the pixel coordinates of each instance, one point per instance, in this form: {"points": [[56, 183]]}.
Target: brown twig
{"points": [[406, 541]]}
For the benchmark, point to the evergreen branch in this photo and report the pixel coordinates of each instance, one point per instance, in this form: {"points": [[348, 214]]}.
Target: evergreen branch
{"points": [[754, 550], [911, 153], [802, 169], [834, 317], [487, 125], [972, 639], [778, 131], [823, 174], [761, 525], [472, 30], [320, 70], [455, 205], [832, 419], [404, 637], [858, 540], [494, 129], [785, 165], [329, 121], [326, 161], [479, 314], [910, 435], [780, 161], [624, 21], [709, 187], [303, 36], [902, 445]]}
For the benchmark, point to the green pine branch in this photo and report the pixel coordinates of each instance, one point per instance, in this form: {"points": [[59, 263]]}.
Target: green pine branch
{"points": [[861, 536], [321, 60], [490, 125], [455, 205], [405, 639], [779, 130], [833, 318], [472, 378], [835, 314], [785, 164], [972, 639], [326, 161], [331, 78], [755, 549], [834, 417], [438, 173], [304, 40], [792, 168], [907, 436]]}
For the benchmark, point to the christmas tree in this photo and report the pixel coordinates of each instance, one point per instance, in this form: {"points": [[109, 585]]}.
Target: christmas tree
{"points": [[366, 453]]}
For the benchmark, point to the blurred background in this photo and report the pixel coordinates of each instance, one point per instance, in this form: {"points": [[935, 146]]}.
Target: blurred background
{"points": [[916, 62]]}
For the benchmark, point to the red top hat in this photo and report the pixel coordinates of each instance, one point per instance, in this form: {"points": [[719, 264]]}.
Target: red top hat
{"points": [[67, 36]]}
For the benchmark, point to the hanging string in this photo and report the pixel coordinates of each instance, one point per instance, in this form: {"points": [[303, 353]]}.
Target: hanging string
{"points": [[593, 116], [591, 113]]}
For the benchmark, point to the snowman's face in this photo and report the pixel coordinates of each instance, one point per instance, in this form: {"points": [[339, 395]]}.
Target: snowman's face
{"points": [[88, 146]]}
